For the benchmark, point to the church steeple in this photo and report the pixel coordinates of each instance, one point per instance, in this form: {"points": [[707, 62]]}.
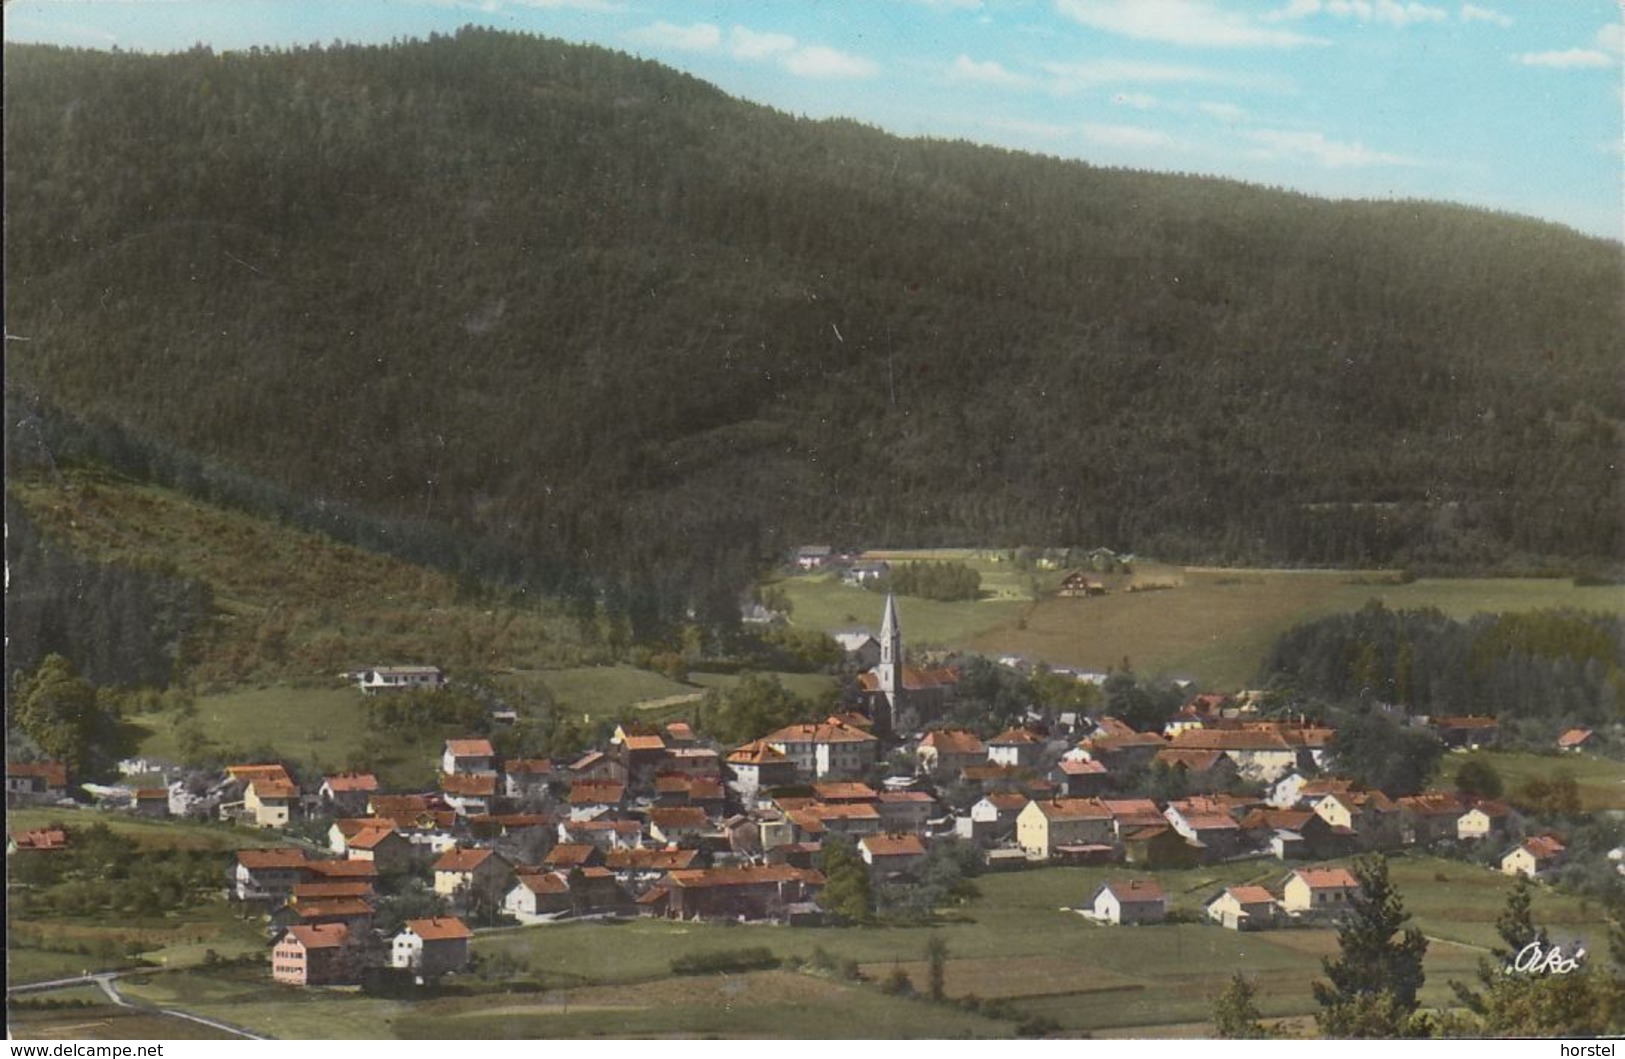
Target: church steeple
{"points": [[890, 670]]}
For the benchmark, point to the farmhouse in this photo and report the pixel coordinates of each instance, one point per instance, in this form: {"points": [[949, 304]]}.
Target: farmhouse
{"points": [[464, 873], [1318, 890], [757, 892], [537, 896], [469, 757], [268, 873], [1130, 901], [313, 955], [346, 794], [757, 765], [1486, 819], [1243, 908], [431, 947], [1534, 857], [269, 795], [35, 781]]}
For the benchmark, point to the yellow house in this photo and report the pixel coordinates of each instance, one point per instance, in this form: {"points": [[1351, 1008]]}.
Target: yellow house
{"points": [[1043, 827], [269, 793]]}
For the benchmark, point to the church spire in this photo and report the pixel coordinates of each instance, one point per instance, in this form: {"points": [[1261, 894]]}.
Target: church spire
{"points": [[890, 670]]}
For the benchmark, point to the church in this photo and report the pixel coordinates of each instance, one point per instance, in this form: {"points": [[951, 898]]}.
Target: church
{"points": [[901, 697]]}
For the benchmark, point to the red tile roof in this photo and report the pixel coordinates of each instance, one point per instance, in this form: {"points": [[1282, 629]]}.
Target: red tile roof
{"points": [[1543, 846], [844, 792], [900, 845], [1229, 739], [440, 928], [1074, 809], [677, 816], [954, 741], [343, 869], [322, 891], [547, 882], [320, 935], [52, 773], [1016, 737], [43, 838], [756, 752], [470, 748], [533, 766], [463, 785], [650, 859], [373, 837], [1251, 895], [1327, 878], [462, 859], [644, 742], [1007, 801], [1192, 760], [1133, 891], [597, 792], [680, 731], [334, 908], [570, 854], [753, 875], [258, 859], [1573, 737], [826, 732], [352, 781]]}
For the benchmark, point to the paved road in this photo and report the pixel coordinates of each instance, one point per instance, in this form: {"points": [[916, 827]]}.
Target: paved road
{"points": [[107, 981]]}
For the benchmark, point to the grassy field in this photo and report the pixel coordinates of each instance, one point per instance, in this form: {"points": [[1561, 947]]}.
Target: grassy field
{"points": [[1601, 782], [597, 691], [1213, 625], [317, 725], [150, 835], [812, 686]]}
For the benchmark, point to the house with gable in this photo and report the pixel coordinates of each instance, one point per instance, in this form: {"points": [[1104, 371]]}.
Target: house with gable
{"points": [[1243, 908], [1534, 857], [1318, 891], [756, 766], [346, 793], [675, 824], [992, 819], [1015, 748], [526, 777], [1486, 819], [35, 781], [891, 855], [1575, 740], [268, 874], [945, 751], [468, 757], [1129, 901], [399, 678], [1062, 827], [830, 749], [469, 794], [317, 954], [431, 947], [462, 874]]}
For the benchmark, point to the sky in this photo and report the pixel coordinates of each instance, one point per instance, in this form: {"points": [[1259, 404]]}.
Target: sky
{"points": [[1512, 105]]}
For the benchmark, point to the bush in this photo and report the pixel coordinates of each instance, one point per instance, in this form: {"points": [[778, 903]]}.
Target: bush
{"points": [[758, 958]]}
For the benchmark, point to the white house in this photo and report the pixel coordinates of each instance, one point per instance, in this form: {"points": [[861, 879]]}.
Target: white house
{"points": [[399, 678], [1130, 901], [431, 947]]}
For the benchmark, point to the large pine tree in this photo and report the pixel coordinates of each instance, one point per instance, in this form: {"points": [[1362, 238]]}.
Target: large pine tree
{"points": [[1376, 977]]}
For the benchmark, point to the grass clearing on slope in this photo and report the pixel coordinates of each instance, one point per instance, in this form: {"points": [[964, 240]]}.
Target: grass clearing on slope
{"points": [[1601, 781]]}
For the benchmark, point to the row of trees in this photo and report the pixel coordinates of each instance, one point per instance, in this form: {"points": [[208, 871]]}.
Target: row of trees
{"points": [[943, 581]]}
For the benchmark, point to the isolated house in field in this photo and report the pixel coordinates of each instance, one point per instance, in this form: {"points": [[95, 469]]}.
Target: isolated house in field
{"points": [[399, 678], [1243, 908], [319, 954], [37, 840], [814, 556], [431, 947], [1318, 890], [1534, 857], [1127, 901]]}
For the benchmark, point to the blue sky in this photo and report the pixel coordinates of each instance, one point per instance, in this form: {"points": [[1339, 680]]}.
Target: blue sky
{"points": [[1508, 104]]}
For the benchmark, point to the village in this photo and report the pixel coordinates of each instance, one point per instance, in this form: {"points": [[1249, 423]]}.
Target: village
{"points": [[661, 821]]}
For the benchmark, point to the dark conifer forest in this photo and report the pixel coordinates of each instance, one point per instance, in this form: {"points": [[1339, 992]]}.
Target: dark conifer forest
{"points": [[546, 301]]}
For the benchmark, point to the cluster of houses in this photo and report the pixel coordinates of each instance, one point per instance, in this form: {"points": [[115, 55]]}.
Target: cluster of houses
{"points": [[660, 822]]}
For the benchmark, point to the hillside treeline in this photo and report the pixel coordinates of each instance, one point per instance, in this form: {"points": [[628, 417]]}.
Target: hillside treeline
{"points": [[1540, 672], [594, 310], [121, 625]]}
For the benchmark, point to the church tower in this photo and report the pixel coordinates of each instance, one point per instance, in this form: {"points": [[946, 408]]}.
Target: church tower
{"points": [[890, 670]]}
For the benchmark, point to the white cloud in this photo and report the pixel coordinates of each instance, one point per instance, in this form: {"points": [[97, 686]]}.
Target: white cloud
{"points": [[1194, 23], [1294, 9], [1278, 144], [827, 63], [1222, 111], [1071, 77], [1402, 15], [1384, 12], [1612, 38], [951, 5], [701, 36], [1572, 59], [1137, 100], [1474, 13], [965, 68], [748, 44], [576, 5], [1126, 136]]}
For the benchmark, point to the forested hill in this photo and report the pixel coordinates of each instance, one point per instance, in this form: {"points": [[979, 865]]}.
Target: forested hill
{"points": [[588, 306]]}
